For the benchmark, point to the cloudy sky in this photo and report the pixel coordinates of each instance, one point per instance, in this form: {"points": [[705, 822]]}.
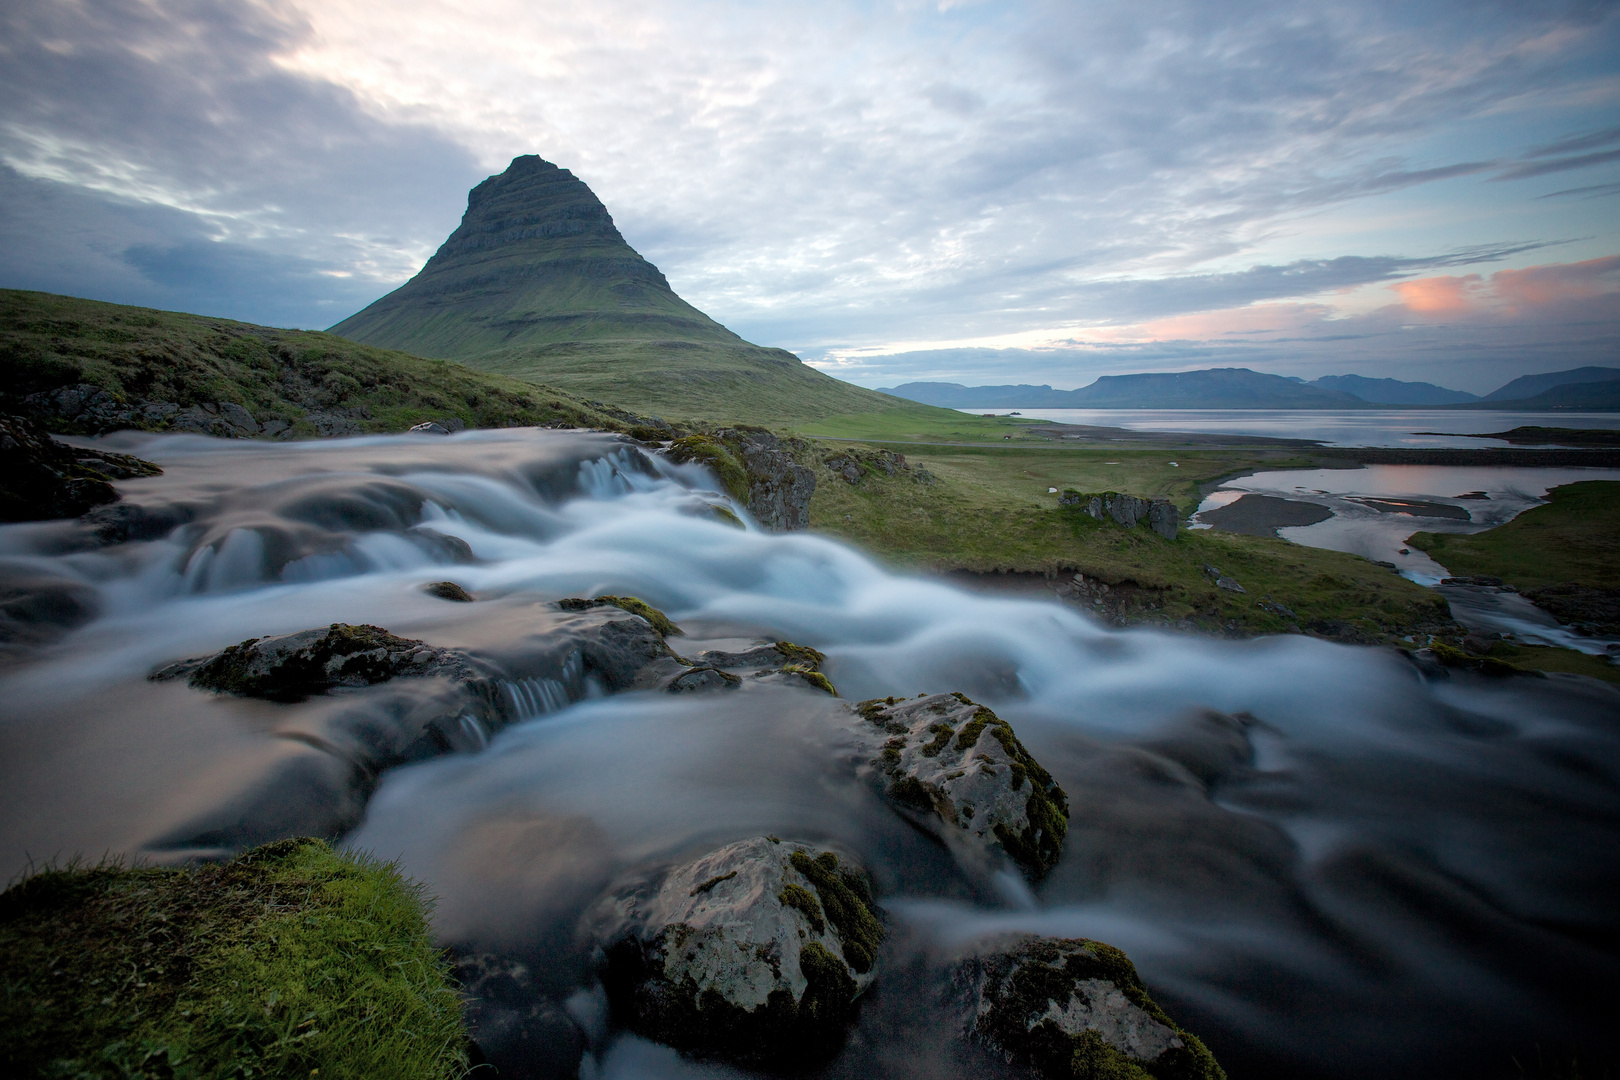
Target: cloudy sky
{"points": [[969, 191]]}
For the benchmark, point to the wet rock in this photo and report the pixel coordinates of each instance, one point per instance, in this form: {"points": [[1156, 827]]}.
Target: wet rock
{"points": [[754, 952], [41, 478], [517, 1028], [289, 667], [1073, 1008], [428, 428], [700, 679], [38, 607], [448, 590], [634, 605], [782, 661], [959, 767]]}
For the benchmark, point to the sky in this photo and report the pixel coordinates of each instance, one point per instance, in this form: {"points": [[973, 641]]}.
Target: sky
{"points": [[974, 192]]}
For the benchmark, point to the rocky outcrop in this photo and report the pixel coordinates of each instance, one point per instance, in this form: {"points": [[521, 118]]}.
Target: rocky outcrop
{"points": [[755, 951], [89, 408], [1160, 515], [777, 661], [291, 667], [960, 769], [757, 469], [1072, 1009], [41, 478]]}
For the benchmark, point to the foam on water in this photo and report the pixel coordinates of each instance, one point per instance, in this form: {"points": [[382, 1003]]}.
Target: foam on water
{"points": [[1388, 869]]}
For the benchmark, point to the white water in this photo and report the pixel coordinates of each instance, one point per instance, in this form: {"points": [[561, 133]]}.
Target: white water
{"points": [[1411, 876]]}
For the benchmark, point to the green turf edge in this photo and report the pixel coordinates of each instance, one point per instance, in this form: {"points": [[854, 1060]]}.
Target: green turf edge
{"points": [[290, 959]]}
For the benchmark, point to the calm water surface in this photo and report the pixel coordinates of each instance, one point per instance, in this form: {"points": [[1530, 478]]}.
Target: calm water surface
{"points": [[1371, 427]]}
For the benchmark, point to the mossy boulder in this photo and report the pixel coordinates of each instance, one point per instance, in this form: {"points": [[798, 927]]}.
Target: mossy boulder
{"points": [[757, 468], [1073, 1009], [754, 952], [778, 661], [289, 667], [960, 769], [293, 960]]}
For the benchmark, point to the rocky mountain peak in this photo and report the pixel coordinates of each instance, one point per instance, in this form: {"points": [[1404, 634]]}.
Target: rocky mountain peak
{"points": [[532, 199]]}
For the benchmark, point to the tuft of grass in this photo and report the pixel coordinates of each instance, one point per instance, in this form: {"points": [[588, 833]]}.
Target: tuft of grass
{"points": [[291, 959]]}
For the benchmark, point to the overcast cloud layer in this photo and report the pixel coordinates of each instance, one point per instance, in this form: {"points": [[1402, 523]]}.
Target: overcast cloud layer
{"points": [[1018, 192]]}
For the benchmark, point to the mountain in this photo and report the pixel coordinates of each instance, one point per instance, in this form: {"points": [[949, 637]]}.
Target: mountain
{"points": [[1213, 388], [1527, 387], [537, 283], [1393, 391], [1576, 397]]}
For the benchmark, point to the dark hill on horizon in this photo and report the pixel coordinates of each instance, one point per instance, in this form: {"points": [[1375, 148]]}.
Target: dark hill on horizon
{"points": [[1213, 388], [538, 283], [1527, 387], [1589, 388], [1394, 391]]}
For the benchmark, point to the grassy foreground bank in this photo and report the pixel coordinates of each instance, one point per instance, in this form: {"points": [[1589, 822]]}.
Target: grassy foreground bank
{"points": [[1573, 539], [291, 959]]}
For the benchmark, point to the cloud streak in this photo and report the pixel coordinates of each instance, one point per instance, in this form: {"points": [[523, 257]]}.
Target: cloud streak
{"points": [[833, 178]]}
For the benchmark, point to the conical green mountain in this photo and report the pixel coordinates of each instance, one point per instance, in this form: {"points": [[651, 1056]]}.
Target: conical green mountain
{"points": [[536, 282]]}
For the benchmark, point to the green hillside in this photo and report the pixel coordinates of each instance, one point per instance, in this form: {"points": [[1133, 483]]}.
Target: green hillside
{"points": [[154, 366], [537, 283]]}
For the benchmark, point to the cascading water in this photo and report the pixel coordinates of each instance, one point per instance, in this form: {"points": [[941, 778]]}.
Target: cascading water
{"points": [[1358, 869]]}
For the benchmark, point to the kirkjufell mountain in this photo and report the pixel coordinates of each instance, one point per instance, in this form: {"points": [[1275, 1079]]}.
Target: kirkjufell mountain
{"points": [[538, 283]]}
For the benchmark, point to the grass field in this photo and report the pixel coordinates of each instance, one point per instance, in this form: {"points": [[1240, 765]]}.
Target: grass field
{"points": [[291, 961], [1575, 538], [988, 510]]}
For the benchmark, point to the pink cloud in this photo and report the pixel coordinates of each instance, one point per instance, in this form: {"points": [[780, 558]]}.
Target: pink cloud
{"points": [[1438, 295]]}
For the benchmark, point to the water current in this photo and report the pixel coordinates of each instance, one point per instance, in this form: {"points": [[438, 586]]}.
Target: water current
{"points": [[1365, 869]]}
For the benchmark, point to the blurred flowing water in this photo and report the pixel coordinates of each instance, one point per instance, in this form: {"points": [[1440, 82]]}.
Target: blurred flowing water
{"points": [[1363, 869]]}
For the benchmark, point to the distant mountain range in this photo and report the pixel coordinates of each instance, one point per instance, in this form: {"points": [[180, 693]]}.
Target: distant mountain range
{"points": [[1593, 388], [537, 282]]}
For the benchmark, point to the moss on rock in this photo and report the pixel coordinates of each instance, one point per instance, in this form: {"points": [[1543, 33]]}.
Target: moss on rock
{"points": [[634, 605], [290, 959], [711, 453], [1074, 1009]]}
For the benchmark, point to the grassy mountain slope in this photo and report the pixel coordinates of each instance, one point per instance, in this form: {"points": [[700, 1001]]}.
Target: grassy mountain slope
{"points": [[537, 283], [49, 342]]}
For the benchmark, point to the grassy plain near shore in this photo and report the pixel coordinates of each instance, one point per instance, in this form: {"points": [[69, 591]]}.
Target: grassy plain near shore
{"points": [[1574, 538], [987, 510]]}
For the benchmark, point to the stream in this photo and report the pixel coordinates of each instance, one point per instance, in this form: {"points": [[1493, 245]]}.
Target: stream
{"points": [[1359, 868]]}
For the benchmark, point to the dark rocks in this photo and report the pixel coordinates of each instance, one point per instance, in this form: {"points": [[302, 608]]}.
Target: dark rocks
{"points": [[634, 605], [41, 478], [1161, 515], [700, 679], [757, 469], [428, 428], [1588, 609], [779, 661], [960, 767], [1073, 1009], [290, 667], [449, 590], [755, 951], [1221, 581], [37, 607]]}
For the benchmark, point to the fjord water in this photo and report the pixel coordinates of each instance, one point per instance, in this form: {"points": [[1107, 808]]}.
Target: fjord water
{"points": [[1363, 427], [1364, 868]]}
